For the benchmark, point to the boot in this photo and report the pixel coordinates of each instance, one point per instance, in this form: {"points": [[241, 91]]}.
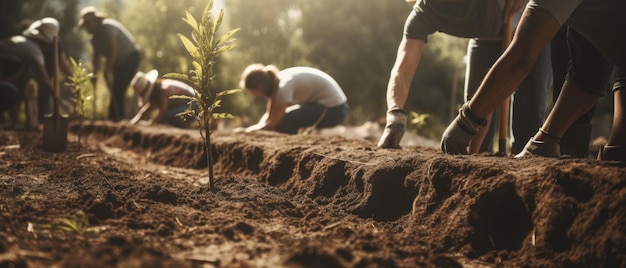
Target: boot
{"points": [[612, 153], [575, 141]]}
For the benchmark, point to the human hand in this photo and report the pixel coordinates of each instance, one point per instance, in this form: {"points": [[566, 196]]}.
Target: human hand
{"points": [[394, 129], [460, 132]]}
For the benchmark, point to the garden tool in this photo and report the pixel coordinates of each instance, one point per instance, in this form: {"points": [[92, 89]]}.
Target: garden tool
{"points": [[503, 132], [55, 124]]}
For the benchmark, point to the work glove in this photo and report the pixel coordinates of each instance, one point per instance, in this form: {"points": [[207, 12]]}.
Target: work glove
{"points": [[541, 148], [460, 132], [394, 129]]}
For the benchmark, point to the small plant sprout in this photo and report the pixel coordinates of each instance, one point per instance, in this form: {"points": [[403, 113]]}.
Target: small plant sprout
{"points": [[79, 224], [79, 77], [417, 121], [204, 47]]}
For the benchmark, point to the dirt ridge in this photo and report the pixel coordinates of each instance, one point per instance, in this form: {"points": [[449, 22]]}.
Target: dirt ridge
{"points": [[550, 211]]}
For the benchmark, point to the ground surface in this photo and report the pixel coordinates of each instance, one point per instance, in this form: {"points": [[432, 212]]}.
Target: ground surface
{"points": [[139, 197]]}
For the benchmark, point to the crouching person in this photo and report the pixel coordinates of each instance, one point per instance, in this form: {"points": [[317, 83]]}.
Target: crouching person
{"points": [[154, 95], [297, 98]]}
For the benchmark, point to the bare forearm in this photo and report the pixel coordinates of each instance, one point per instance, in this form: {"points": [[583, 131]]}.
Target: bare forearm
{"points": [[397, 91], [499, 83], [534, 32], [407, 60]]}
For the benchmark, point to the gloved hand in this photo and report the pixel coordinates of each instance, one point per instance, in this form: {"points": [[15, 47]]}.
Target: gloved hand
{"points": [[541, 148], [394, 129], [460, 132]]}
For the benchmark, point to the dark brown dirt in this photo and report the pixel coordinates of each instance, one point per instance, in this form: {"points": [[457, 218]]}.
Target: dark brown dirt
{"points": [[298, 201]]}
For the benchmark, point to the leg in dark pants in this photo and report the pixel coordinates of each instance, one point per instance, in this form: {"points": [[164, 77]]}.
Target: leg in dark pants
{"points": [[122, 75]]}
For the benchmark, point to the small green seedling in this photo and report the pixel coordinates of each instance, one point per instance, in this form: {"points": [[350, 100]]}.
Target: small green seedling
{"points": [[79, 77], [79, 224], [205, 47], [417, 121]]}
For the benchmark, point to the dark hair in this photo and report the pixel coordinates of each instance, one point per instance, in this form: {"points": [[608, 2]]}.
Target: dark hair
{"points": [[260, 76]]}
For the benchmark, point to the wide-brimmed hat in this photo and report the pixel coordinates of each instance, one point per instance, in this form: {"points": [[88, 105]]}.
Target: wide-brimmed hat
{"points": [[143, 84], [43, 30], [90, 13]]}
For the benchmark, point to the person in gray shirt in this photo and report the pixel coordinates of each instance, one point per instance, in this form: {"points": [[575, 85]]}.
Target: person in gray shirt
{"points": [[460, 18], [297, 98], [111, 40], [595, 26]]}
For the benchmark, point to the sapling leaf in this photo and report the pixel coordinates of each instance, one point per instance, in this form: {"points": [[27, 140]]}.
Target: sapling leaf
{"points": [[226, 38], [228, 92], [204, 49], [222, 116], [189, 19], [191, 48], [181, 77]]}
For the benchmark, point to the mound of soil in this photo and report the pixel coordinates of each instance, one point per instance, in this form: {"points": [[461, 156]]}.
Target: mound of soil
{"points": [[137, 196]]}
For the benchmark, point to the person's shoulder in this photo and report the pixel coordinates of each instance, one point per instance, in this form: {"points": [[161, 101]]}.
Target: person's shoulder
{"points": [[16, 39], [21, 42], [173, 83], [111, 24], [301, 70]]}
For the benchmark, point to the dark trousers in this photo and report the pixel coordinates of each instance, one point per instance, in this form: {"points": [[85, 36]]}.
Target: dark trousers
{"points": [[308, 114], [123, 73]]}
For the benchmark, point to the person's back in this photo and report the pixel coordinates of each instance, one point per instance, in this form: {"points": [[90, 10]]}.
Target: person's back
{"points": [[171, 87], [460, 18], [27, 52], [299, 85], [114, 30]]}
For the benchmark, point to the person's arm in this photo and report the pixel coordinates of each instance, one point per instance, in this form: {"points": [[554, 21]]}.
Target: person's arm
{"points": [[401, 77], [269, 121], [96, 67], [535, 30], [407, 60], [162, 106], [143, 113], [44, 78]]}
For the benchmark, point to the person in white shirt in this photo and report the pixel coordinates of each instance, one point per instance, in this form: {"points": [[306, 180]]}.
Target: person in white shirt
{"points": [[297, 98]]}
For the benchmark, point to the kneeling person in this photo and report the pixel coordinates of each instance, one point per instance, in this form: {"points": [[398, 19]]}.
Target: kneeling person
{"points": [[154, 93], [297, 98]]}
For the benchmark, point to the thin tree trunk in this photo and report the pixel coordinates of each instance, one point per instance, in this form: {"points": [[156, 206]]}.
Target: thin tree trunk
{"points": [[209, 155]]}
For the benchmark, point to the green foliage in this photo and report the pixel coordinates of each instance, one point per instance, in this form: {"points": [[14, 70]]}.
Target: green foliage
{"points": [[79, 224], [205, 47], [80, 76], [416, 121], [355, 42], [154, 24]]}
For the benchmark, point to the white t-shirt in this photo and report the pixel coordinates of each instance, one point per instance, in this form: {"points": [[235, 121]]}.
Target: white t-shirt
{"points": [[300, 85]]}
